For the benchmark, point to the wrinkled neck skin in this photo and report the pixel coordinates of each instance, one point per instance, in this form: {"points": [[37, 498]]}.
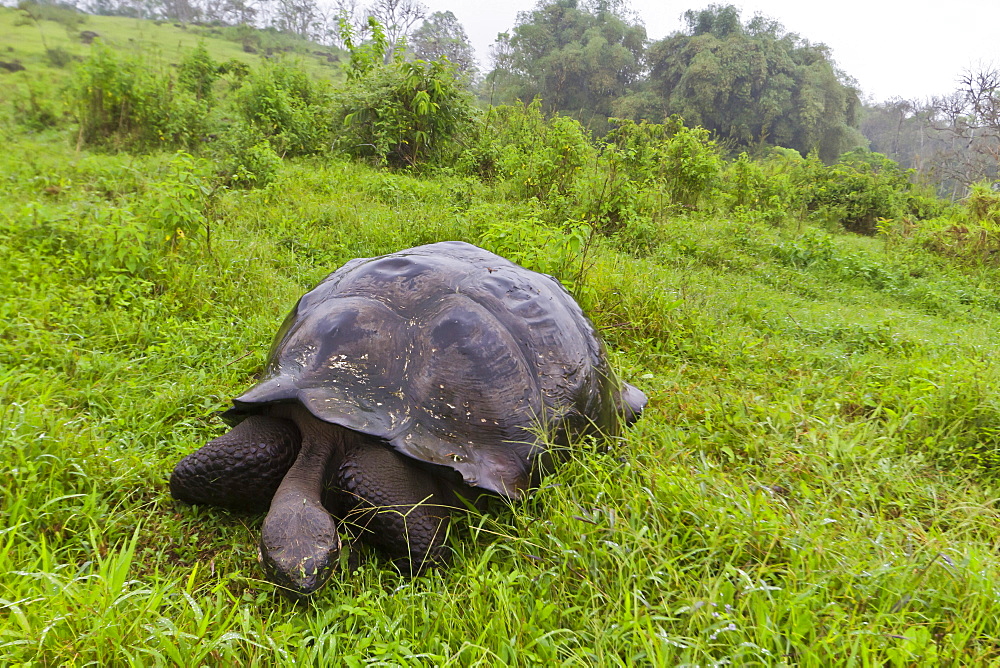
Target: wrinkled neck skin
{"points": [[299, 544]]}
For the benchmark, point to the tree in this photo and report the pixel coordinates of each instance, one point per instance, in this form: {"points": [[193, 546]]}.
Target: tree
{"points": [[442, 36], [754, 85], [397, 17], [969, 123], [579, 58], [301, 17]]}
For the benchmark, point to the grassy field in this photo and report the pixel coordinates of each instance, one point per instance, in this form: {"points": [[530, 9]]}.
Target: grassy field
{"points": [[813, 483], [34, 45]]}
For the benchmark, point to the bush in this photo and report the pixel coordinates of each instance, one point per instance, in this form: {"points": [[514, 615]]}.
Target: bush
{"points": [[282, 103], [859, 190], [247, 159], [198, 72], [540, 158], [35, 107], [617, 187], [983, 204], [121, 102], [758, 191], [59, 57], [400, 114]]}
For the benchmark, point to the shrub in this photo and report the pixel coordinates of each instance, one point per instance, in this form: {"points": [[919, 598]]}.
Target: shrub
{"points": [[59, 57], [281, 102], [247, 159], [859, 190], [541, 158], [122, 103], [638, 172], [691, 166], [400, 114], [983, 204], [758, 191], [197, 73], [35, 107]]}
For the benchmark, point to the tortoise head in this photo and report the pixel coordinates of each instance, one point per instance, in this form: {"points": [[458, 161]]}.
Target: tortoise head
{"points": [[299, 545]]}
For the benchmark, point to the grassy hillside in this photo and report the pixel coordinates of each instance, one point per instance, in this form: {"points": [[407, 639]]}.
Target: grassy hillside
{"points": [[813, 483], [36, 45]]}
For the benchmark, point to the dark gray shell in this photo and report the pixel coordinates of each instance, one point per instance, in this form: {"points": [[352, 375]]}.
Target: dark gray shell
{"points": [[453, 355]]}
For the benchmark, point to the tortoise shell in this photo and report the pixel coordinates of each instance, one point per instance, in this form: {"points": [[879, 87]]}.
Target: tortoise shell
{"points": [[453, 355]]}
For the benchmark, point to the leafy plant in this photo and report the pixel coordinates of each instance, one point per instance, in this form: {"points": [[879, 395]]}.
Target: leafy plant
{"points": [[285, 105], [859, 190], [400, 114], [197, 73], [120, 102], [247, 158]]}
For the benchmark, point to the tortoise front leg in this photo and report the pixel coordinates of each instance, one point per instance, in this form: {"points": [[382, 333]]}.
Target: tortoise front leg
{"points": [[241, 469], [397, 506]]}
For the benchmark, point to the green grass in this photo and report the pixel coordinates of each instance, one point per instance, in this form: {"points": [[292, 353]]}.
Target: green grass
{"points": [[161, 44], [813, 483]]}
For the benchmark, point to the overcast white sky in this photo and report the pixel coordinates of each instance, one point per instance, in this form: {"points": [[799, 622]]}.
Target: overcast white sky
{"points": [[894, 48]]}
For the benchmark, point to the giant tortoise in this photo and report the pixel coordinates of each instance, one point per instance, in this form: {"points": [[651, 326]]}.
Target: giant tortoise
{"points": [[395, 390]]}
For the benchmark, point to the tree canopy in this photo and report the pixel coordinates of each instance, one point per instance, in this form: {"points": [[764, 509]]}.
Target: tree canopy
{"points": [[578, 57], [753, 83], [442, 36]]}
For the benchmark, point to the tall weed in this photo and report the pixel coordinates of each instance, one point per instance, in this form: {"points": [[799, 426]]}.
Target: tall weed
{"points": [[121, 102], [282, 103]]}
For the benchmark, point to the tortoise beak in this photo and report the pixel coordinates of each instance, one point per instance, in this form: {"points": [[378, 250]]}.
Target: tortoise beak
{"points": [[299, 548]]}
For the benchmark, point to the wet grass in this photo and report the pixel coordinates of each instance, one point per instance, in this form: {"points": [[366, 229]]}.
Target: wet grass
{"points": [[813, 482]]}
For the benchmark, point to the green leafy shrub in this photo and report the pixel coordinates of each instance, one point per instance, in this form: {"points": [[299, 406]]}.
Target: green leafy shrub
{"points": [[983, 204], [197, 73], [691, 167], [246, 158], [175, 205], [623, 189], [58, 57], [284, 104], [968, 232], [618, 186], [120, 102], [400, 114], [545, 156], [859, 190], [759, 191], [35, 106]]}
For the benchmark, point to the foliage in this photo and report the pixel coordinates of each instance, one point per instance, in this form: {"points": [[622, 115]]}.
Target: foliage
{"points": [[761, 191], [285, 105], [638, 172], [441, 36], [969, 233], [859, 190], [401, 114], [197, 73], [35, 107], [983, 204], [247, 159], [121, 102], [577, 57], [539, 157], [754, 84]]}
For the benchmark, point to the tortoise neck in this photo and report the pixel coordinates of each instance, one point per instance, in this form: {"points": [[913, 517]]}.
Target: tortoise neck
{"points": [[322, 450], [299, 542]]}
